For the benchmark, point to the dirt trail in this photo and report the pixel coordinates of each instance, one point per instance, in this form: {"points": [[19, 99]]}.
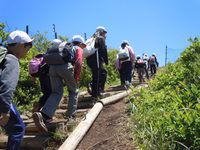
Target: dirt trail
{"points": [[110, 131]]}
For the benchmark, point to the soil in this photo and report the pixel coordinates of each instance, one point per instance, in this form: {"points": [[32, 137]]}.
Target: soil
{"points": [[111, 130]]}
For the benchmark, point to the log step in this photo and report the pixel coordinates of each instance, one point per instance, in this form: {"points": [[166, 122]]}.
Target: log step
{"points": [[33, 142], [55, 124]]}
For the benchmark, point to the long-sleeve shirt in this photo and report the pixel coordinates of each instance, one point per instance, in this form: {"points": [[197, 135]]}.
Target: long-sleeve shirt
{"points": [[9, 76], [100, 44], [78, 62]]}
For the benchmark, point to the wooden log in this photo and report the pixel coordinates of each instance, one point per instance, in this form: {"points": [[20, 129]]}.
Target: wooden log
{"points": [[81, 105], [24, 117], [33, 142], [32, 129], [3, 141], [81, 96], [76, 136], [115, 98], [63, 111]]}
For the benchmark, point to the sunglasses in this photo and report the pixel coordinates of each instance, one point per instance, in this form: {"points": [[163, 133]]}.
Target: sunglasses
{"points": [[28, 45]]}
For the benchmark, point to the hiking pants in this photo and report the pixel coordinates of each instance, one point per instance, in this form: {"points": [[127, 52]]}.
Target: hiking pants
{"points": [[140, 72], [98, 76], [121, 77], [153, 69], [15, 129], [103, 77], [126, 71], [45, 85], [58, 73], [146, 72]]}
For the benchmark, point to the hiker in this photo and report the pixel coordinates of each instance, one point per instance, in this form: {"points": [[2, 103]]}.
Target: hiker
{"points": [[132, 57], [146, 60], [69, 72], [125, 58], [18, 45], [153, 64], [96, 61], [140, 66], [43, 75]]}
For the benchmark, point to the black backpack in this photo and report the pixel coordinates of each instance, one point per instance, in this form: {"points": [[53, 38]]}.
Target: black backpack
{"points": [[62, 55]]}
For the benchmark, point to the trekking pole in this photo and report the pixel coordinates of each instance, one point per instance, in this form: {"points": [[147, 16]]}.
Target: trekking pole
{"points": [[97, 54]]}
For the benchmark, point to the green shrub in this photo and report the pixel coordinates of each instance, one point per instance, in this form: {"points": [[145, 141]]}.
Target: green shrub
{"points": [[167, 114]]}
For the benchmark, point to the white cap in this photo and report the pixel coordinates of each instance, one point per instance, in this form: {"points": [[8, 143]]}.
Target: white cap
{"points": [[125, 42], [56, 43], [101, 29], [78, 38], [145, 54], [138, 56], [18, 37]]}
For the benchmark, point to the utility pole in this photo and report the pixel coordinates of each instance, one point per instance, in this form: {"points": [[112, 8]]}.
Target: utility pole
{"points": [[166, 55], [27, 29], [54, 30], [85, 36]]}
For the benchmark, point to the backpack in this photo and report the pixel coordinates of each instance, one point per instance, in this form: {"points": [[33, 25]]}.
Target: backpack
{"points": [[90, 49], [37, 66], [140, 61], [63, 54], [152, 60], [124, 55], [3, 52]]}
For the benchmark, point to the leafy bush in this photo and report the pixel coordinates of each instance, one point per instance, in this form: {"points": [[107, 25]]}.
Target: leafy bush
{"points": [[167, 114]]}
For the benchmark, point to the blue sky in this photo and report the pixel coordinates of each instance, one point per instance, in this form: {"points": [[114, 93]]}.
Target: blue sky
{"points": [[148, 25]]}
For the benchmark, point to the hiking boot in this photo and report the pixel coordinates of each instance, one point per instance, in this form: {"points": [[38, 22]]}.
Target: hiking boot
{"points": [[39, 122], [94, 100], [89, 88], [101, 95]]}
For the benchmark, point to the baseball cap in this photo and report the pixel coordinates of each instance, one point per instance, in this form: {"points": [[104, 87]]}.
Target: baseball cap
{"points": [[78, 38], [18, 37], [125, 42], [138, 56], [101, 29]]}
